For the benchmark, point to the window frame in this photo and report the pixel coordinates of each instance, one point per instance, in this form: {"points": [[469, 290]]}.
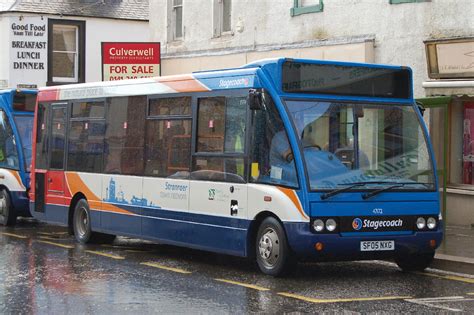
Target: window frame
{"points": [[52, 107], [298, 8], [218, 19], [71, 119], [223, 155], [172, 21], [108, 101], [181, 117], [80, 47]]}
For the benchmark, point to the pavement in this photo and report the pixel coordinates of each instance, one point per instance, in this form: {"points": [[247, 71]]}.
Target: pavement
{"points": [[456, 252]]}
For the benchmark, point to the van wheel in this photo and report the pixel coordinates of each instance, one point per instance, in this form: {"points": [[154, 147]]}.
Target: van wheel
{"points": [[82, 226], [414, 262], [273, 254], [7, 212]]}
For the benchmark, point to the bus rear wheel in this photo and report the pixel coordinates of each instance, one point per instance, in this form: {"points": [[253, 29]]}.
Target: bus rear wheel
{"points": [[272, 251], [82, 226], [414, 262], [7, 212]]}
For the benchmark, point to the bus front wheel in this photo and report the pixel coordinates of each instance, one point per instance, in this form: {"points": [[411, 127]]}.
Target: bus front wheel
{"points": [[7, 212], [82, 226], [272, 251], [414, 262]]}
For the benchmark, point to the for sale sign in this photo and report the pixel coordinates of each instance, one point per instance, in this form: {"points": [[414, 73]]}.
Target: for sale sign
{"points": [[121, 61]]}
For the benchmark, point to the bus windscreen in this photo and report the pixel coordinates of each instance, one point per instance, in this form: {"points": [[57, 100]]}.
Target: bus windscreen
{"points": [[299, 77]]}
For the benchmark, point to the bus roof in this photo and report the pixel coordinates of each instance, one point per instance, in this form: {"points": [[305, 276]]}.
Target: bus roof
{"points": [[201, 81]]}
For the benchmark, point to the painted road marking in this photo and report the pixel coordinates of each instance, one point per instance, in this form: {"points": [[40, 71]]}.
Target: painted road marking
{"points": [[52, 238], [430, 302], [155, 265], [14, 235], [246, 285], [57, 244], [52, 233], [313, 300], [104, 254], [470, 293], [447, 277]]}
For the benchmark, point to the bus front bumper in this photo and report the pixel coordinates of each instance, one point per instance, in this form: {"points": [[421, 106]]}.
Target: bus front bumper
{"points": [[335, 247]]}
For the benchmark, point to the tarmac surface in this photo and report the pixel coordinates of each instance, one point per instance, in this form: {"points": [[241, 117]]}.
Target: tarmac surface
{"points": [[44, 271]]}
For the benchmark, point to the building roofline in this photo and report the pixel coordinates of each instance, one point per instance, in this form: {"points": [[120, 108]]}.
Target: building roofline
{"points": [[73, 15]]}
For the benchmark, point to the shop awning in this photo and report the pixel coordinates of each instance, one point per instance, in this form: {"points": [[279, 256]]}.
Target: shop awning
{"points": [[449, 88]]}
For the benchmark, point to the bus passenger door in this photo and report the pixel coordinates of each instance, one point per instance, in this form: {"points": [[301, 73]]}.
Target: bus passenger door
{"points": [[54, 176], [218, 189]]}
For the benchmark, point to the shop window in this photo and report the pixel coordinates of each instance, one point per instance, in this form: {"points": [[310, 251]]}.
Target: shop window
{"points": [[462, 148], [306, 6], [220, 145], [66, 52], [407, 1], [222, 17], [175, 13], [125, 135]]}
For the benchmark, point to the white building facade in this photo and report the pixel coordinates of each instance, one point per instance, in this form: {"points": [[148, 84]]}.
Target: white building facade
{"points": [[48, 43], [211, 34]]}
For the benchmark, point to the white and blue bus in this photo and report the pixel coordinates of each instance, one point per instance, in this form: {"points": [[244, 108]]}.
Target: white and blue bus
{"points": [[278, 160], [16, 129]]}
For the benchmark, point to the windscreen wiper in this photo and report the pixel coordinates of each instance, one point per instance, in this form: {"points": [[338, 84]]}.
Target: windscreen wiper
{"points": [[395, 185], [344, 189], [367, 195]]}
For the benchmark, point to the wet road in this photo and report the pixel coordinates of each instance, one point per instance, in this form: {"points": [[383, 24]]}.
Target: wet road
{"points": [[43, 271]]}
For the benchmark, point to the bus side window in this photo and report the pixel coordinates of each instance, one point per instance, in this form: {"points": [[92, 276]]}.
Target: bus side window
{"points": [[271, 158], [8, 150], [221, 134], [42, 144], [86, 136], [125, 135], [168, 137]]}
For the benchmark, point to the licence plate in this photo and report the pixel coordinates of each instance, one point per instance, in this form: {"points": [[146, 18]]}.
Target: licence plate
{"points": [[371, 246]]}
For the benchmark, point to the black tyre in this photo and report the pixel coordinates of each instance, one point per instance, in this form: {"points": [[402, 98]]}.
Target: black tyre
{"points": [[7, 211], [414, 262], [272, 251], [82, 226]]}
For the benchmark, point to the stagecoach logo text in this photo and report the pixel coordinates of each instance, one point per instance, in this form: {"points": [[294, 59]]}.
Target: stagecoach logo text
{"points": [[358, 224], [233, 83]]}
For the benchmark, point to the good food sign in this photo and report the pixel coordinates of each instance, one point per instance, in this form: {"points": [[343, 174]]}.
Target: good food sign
{"points": [[121, 61]]}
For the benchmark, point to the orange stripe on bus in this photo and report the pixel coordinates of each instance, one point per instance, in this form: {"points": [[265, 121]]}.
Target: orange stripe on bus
{"points": [[290, 193], [76, 184], [183, 83], [17, 176]]}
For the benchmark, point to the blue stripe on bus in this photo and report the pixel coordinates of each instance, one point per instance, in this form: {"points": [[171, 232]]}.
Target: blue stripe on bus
{"points": [[201, 231]]}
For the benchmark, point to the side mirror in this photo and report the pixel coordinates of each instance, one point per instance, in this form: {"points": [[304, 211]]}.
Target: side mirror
{"points": [[255, 99], [421, 108]]}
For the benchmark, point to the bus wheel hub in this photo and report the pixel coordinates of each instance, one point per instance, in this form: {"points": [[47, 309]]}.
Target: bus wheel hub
{"points": [[269, 247]]}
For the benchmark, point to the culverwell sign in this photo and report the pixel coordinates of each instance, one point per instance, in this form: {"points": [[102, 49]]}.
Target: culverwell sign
{"points": [[121, 61]]}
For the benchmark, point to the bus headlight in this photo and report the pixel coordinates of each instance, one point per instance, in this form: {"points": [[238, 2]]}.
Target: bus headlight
{"points": [[318, 225], [420, 223], [431, 223], [331, 225]]}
